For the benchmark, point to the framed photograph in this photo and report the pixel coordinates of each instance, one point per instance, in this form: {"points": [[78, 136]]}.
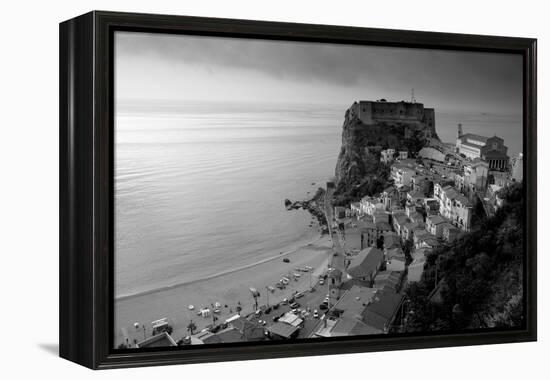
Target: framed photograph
{"points": [[235, 190]]}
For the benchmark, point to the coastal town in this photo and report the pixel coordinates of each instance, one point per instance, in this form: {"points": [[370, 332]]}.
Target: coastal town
{"points": [[379, 243]]}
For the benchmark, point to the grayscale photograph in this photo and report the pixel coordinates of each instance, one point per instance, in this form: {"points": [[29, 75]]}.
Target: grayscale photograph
{"points": [[269, 190]]}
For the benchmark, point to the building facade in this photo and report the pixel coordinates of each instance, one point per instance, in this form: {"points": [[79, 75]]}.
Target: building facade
{"points": [[490, 149], [453, 206]]}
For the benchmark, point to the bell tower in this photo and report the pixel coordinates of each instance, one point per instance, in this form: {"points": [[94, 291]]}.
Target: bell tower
{"points": [[459, 133]]}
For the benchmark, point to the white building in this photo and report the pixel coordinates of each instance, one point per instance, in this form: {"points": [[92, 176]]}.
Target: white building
{"points": [[402, 175], [453, 206], [370, 206]]}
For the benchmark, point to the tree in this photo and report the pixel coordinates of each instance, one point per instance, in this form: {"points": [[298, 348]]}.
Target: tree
{"points": [[380, 242], [407, 249], [481, 273], [191, 327]]}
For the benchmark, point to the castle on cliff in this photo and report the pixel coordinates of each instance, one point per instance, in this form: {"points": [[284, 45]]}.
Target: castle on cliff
{"points": [[396, 113]]}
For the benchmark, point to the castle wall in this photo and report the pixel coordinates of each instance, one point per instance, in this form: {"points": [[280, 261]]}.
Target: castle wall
{"points": [[363, 110], [413, 114], [429, 119], [397, 111]]}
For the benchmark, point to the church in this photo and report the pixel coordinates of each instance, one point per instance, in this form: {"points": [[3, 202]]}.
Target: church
{"points": [[490, 149]]}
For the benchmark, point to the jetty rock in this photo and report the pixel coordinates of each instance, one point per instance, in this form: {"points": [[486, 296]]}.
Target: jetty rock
{"points": [[288, 204]]}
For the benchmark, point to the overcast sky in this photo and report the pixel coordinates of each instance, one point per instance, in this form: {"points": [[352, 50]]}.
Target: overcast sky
{"points": [[190, 68]]}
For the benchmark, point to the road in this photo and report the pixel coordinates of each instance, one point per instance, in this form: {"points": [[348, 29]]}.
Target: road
{"points": [[312, 299], [338, 257]]}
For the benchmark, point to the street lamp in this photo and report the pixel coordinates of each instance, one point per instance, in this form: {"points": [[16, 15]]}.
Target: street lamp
{"points": [[267, 295], [136, 325]]}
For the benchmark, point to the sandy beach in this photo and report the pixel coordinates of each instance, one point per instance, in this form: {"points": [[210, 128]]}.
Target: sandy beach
{"points": [[227, 289]]}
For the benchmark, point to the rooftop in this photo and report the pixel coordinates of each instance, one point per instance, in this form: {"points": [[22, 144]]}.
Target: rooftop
{"points": [[380, 313], [366, 262], [449, 226], [250, 330], [355, 300], [391, 240], [227, 335], [282, 329], [389, 280], [400, 219], [394, 252], [436, 219], [450, 192], [291, 319], [159, 340], [473, 136], [383, 226], [416, 194]]}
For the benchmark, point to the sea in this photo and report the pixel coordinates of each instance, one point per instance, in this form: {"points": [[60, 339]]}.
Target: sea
{"points": [[200, 187]]}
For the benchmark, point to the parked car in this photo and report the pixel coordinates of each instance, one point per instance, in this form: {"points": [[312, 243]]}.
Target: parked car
{"points": [[286, 260], [321, 282], [294, 305], [298, 295], [323, 306], [315, 314]]}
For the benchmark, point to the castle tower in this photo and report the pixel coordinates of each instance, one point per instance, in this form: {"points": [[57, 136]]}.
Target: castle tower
{"points": [[459, 135]]}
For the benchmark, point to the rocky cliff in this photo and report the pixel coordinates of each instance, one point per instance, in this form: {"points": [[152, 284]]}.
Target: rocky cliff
{"points": [[359, 171]]}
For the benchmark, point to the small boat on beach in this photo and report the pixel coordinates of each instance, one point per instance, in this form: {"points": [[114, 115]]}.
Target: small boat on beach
{"points": [[191, 307]]}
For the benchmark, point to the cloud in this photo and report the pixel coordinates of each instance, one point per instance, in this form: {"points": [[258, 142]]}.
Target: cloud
{"points": [[460, 78]]}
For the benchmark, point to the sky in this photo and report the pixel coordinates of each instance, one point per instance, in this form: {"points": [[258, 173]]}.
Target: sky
{"points": [[180, 68]]}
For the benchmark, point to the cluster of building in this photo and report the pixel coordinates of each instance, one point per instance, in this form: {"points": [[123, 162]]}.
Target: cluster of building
{"points": [[429, 204]]}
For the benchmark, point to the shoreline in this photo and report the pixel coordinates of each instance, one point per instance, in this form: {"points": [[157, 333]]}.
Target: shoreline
{"points": [[310, 243], [230, 288]]}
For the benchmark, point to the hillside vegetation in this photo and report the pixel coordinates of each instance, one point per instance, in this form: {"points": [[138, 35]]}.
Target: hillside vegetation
{"points": [[479, 276]]}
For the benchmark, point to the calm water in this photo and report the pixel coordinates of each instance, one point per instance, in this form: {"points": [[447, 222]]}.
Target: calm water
{"points": [[200, 189]]}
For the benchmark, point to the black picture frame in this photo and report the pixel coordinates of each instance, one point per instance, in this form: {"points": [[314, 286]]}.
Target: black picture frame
{"points": [[86, 186]]}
